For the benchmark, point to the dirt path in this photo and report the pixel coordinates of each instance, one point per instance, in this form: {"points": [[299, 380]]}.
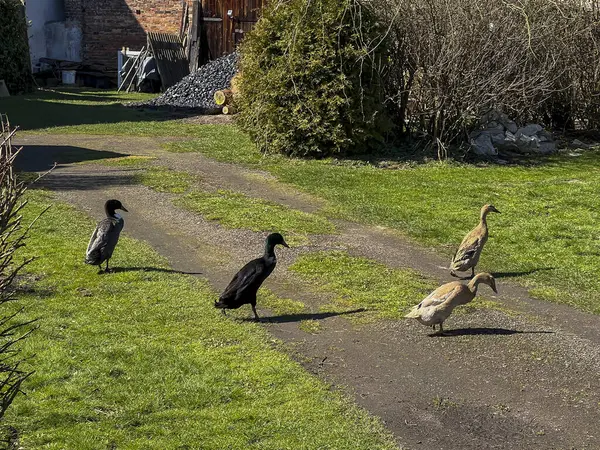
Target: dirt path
{"points": [[527, 380]]}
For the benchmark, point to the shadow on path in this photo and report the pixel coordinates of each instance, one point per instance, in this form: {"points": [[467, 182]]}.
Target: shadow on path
{"points": [[39, 158], [151, 269], [522, 273], [287, 318], [484, 331]]}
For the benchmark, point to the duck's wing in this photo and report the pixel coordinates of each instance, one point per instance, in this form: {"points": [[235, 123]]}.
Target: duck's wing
{"points": [[441, 295], [469, 246], [103, 235], [247, 276]]}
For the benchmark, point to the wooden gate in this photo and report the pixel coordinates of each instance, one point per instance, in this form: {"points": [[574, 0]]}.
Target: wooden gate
{"points": [[226, 21]]}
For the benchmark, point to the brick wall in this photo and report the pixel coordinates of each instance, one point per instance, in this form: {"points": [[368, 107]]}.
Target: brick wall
{"points": [[108, 25]]}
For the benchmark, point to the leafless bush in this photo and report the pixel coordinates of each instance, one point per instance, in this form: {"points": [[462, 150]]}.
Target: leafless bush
{"points": [[452, 60], [12, 237]]}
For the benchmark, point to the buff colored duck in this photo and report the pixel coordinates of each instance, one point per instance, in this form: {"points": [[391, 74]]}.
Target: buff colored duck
{"points": [[469, 251], [438, 305]]}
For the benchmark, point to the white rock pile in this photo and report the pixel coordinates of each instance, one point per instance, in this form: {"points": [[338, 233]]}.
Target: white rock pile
{"points": [[498, 133]]}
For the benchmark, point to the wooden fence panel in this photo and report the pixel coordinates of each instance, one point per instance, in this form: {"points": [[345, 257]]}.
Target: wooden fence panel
{"points": [[170, 57]]}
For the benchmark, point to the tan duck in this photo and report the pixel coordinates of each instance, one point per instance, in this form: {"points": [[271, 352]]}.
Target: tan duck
{"points": [[438, 305], [469, 251]]}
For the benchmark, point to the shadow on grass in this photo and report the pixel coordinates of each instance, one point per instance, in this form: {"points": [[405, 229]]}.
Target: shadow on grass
{"points": [[151, 269], [485, 331], [40, 292], [520, 274], [39, 158], [54, 108], [287, 318]]}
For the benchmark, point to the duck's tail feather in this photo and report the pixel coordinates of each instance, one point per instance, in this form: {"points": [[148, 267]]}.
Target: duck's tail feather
{"points": [[93, 258], [414, 313], [219, 304]]}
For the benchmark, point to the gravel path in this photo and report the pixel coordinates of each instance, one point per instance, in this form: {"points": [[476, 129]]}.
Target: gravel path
{"points": [[519, 381]]}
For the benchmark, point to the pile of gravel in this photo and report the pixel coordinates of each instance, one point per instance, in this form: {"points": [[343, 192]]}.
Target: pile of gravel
{"points": [[197, 89]]}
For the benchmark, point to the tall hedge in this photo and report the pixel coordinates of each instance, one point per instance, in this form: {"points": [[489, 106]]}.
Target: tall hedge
{"points": [[15, 65], [310, 84]]}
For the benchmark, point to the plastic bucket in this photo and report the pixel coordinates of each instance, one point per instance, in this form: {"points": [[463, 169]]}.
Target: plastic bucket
{"points": [[68, 77]]}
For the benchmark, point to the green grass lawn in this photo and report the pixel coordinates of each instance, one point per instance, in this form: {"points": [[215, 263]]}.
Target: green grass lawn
{"points": [[362, 283], [236, 210], [133, 161], [159, 178], [66, 107], [140, 359]]}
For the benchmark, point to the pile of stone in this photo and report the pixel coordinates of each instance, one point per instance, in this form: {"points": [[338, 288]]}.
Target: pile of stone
{"points": [[197, 90], [500, 134]]}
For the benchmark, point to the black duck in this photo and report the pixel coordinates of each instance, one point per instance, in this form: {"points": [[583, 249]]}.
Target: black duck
{"points": [[242, 289]]}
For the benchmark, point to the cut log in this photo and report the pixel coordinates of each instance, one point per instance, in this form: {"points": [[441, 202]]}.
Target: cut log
{"points": [[228, 110], [235, 83], [223, 97]]}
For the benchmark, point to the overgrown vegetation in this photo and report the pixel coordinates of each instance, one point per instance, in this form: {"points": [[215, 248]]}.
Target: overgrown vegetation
{"points": [[141, 359], [311, 85], [15, 66], [455, 59]]}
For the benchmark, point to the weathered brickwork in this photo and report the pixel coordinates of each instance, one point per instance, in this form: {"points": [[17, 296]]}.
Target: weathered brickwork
{"points": [[108, 25]]}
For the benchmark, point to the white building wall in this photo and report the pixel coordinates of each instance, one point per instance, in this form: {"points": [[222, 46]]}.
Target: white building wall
{"points": [[50, 35]]}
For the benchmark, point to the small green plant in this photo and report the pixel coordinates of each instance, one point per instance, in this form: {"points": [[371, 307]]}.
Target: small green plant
{"points": [[441, 403]]}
